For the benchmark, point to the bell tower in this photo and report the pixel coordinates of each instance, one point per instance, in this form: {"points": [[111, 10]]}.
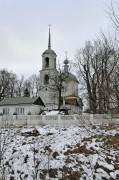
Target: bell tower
{"points": [[48, 71], [49, 56]]}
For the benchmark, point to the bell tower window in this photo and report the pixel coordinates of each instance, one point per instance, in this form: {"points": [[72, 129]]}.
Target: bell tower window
{"points": [[55, 63], [46, 79], [47, 62]]}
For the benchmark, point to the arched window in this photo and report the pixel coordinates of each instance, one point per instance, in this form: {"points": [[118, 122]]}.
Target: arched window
{"points": [[47, 62], [46, 79], [55, 62]]}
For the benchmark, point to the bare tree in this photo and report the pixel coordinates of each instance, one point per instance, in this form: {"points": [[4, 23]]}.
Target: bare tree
{"points": [[58, 79], [97, 63], [13, 85], [113, 14], [20, 87], [32, 84], [4, 83]]}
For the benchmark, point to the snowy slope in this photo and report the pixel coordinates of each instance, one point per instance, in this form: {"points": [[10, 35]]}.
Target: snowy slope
{"points": [[52, 152]]}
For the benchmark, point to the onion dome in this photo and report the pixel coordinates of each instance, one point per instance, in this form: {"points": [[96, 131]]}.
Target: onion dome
{"points": [[66, 62]]}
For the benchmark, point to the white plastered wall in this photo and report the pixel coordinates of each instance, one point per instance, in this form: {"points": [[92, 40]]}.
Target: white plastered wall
{"points": [[34, 109]]}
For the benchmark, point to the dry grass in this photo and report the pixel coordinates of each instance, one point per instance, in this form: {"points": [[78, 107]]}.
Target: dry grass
{"points": [[78, 149], [112, 141]]}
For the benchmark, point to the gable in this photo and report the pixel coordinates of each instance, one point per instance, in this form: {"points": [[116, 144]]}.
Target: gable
{"points": [[39, 102]]}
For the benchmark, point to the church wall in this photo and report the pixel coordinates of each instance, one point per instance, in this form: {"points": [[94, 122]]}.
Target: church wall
{"points": [[49, 98], [71, 88], [50, 73]]}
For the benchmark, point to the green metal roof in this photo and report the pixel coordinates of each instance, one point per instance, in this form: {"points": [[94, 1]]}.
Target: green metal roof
{"points": [[21, 100], [71, 77]]}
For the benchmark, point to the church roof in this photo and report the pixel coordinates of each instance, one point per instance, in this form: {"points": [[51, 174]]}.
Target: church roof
{"points": [[73, 100], [49, 51], [21, 100], [71, 77]]}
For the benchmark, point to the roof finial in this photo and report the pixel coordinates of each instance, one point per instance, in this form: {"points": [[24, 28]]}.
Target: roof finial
{"points": [[49, 40], [66, 60]]}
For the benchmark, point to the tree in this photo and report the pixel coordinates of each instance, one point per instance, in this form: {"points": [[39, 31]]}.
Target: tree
{"points": [[32, 84], [96, 63], [4, 83], [58, 79], [13, 85], [26, 93], [20, 87], [10, 85], [113, 15], [115, 89]]}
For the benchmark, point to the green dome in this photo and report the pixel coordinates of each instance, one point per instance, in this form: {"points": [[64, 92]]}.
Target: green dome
{"points": [[66, 61], [49, 51]]}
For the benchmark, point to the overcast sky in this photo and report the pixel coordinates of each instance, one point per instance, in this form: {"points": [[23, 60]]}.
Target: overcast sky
{"points": [[24, 30]]}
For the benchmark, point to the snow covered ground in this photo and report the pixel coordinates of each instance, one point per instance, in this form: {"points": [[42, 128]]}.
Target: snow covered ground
{"points": [[62, 153]]}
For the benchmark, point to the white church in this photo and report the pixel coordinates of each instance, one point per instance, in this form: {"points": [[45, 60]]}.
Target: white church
{"points": [[58, 90], [51, 79]]}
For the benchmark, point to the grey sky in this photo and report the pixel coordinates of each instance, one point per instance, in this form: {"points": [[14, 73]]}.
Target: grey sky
{"points": [[24, 30]]}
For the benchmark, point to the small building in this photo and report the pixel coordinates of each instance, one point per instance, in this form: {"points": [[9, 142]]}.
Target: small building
{"points": [[21, 106], [72, 104]]}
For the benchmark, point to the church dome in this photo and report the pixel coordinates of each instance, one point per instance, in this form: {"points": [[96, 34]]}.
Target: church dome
{"points": [[71, 77], [49, 51], [66, 62]]}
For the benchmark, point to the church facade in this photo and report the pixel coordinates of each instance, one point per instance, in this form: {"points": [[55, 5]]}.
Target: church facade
{"points": [[54, 83]]}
